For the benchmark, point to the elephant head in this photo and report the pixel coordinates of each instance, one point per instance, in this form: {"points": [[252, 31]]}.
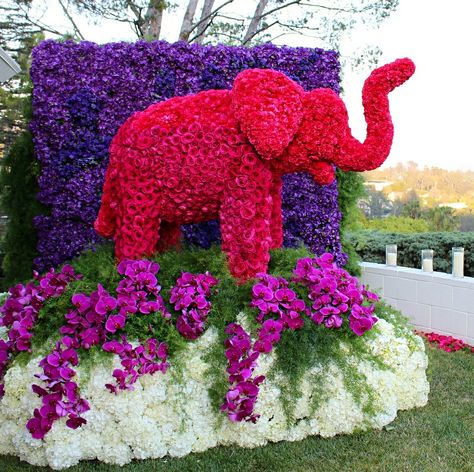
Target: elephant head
{"points": [[309, 131]]}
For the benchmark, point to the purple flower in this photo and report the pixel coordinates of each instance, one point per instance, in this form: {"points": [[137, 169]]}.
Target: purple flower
{"points": [[60, 397], [114, 323], [113, 346], [361, 319], [334, 292], [190, 296], [146, 359]]}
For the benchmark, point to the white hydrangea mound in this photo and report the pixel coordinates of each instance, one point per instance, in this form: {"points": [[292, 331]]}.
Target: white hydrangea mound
{"points": [[172, 415]]}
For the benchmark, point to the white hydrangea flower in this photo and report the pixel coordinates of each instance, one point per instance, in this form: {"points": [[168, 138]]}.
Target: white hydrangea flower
{"points": [[172, 414]]}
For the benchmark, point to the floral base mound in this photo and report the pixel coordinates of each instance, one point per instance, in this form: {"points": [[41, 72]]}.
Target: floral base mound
{"points": [[172, 414], [171, 356]]}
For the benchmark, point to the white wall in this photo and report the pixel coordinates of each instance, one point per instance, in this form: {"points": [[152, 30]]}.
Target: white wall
{"points": [[433, 302]]}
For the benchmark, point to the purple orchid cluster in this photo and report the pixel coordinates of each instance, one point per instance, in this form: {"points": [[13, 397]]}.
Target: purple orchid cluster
{"points": [[272, 297], [20, 311], [146, 359], [190, 297], [85, 325], [60, 398], [100, 314], [93, 320], [334, 293], [78, 109], [244, 387], [283, 310], [139, 284]]}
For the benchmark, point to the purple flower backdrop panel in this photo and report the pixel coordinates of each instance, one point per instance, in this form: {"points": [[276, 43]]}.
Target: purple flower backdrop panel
{"points": [[83, 92]]}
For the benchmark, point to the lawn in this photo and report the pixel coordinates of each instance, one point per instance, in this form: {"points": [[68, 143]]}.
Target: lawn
{"points": [[439, 437]]}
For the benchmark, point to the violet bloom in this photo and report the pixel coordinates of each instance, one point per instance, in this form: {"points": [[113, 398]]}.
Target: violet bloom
{"points": [[190, 296], [60, 397], [361, 319], [272, 297], [146, 359], [334, 292], [114, 323]]}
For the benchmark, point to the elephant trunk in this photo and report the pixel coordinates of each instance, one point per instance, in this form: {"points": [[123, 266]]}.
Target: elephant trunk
{"points": [[370, 154]]}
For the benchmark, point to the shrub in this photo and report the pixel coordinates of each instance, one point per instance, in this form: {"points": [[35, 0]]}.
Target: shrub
{"points": [[350, 187], [18, 181], [370, 246], [397, 224]]}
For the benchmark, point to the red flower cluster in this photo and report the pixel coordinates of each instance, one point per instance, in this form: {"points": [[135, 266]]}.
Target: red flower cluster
{"points": [[221, 154], [446, 343]]}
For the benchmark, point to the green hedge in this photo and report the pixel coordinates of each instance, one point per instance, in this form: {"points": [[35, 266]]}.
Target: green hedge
{"points": [[370, 245], [19, 186], [350, 186]]}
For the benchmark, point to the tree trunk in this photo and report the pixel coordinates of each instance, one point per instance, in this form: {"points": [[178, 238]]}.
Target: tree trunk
{"points": [[254, 24], [188, 20], [204, 20], [153, 19]]}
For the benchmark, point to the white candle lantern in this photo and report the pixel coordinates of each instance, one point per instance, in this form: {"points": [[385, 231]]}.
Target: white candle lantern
{"points": [[391, 255], [458, 261], [427, 260]]}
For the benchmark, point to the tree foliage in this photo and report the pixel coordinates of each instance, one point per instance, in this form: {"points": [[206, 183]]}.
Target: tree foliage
{"points": [[237, 22], [433, 186], [19, 183]]}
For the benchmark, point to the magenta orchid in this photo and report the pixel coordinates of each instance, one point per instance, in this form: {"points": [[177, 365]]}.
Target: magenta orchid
{"points": [[60, 397], [272, 297], [20, 311], [146, 358], [242, 359], [334, 294], [190, 296]]}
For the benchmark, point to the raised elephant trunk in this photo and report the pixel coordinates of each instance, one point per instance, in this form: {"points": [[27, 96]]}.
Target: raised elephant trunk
{"points": [[370, 154]]}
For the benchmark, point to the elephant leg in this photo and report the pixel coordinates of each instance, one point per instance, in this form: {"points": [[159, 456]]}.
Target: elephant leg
{"points": [[169, 236], [138, 233], [276, 225], [246, 235]]}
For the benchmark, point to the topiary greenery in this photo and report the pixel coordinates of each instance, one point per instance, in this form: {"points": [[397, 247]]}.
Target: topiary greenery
{"points": [[350, 186], [296, 352], [370, 246], [396, 224], [18, 181]]}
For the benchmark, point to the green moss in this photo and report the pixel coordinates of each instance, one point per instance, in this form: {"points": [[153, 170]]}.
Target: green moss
{"points": [[299, 351]]}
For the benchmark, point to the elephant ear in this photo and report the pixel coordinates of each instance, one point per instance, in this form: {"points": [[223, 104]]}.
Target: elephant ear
{"points": [[267, 105]]}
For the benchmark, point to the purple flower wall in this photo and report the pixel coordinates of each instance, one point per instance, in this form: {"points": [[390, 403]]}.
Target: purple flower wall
{"points": [[84, 92]]}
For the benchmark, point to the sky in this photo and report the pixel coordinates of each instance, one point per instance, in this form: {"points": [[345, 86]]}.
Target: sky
{"points": [[432, 112]]}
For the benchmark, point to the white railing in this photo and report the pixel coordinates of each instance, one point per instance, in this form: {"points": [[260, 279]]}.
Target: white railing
{"points": [[433, 301]]}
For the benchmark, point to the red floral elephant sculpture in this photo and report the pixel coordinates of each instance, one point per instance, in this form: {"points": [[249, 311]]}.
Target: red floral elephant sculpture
{"points": [[221, 154]]}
